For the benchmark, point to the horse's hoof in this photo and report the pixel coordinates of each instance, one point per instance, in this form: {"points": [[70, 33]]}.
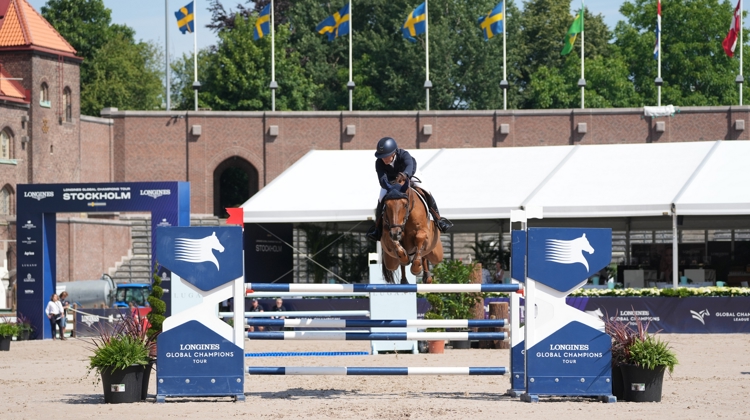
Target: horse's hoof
{"points": [[404, 281], [416, 270], [428, 280]]}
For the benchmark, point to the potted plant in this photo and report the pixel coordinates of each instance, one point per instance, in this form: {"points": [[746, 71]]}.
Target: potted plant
{"points": [[120, 358], [8, 330], [639, 360], [24, 327], [453, 305]]}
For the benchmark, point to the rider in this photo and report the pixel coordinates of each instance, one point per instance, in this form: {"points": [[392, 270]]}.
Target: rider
{"points": [[390, 162]]}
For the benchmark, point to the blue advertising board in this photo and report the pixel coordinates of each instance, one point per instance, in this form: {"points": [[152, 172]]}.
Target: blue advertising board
{"points": [[37, 205]]}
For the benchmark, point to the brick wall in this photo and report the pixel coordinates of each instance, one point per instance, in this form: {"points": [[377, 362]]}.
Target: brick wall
{"points": [[86, 248], [96, 144]]}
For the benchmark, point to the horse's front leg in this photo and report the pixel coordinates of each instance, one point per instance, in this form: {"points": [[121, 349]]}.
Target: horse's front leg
{"points": [[403, 275], [419, 239], [427, 277]]}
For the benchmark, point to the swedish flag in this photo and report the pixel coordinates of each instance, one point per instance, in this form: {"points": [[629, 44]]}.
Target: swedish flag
{"points": [[185, 20], [263, 24], [492, 24], [415, 23], [335, 25]]}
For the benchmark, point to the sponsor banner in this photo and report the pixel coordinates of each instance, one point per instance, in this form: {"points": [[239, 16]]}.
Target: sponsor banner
{"points": [[268, 259], [693, 315], [206, 257], [563, 258], [193, 360]]}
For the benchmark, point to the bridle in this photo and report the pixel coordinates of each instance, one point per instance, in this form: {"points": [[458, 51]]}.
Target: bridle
{"points": [[409, 207]]}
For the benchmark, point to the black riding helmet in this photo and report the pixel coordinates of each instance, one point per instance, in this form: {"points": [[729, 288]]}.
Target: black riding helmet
{"points": [[386, 147]]}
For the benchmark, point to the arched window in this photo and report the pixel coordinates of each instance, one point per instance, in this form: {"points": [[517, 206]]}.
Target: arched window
{"points": [[4, 144], [5, 201], [68, 99], [44, 96]]}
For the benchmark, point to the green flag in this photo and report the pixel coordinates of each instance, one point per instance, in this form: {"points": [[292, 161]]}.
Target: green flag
{"points": [[575, 29]]}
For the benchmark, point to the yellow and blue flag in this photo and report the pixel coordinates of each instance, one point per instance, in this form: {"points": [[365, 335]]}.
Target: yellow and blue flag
{"points": [[415, 24], [335, 25], [185, 20], [492, 24], [263, 24]]}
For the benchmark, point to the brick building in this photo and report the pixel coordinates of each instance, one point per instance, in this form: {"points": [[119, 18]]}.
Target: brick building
{"points": [[44, 139]]}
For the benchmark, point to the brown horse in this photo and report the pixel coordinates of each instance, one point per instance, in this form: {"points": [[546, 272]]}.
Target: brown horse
{"points": [[409, 236]]}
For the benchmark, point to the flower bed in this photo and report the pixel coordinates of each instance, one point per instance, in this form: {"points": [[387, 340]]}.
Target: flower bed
{"points": [[679, 292]]}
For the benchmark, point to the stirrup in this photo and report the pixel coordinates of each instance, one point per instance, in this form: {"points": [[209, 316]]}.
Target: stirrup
{"points": [[444, 224]]}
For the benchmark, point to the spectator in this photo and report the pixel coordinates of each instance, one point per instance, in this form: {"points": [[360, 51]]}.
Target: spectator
{"points": [[499, 273], [54, 313], [278, 307], [255, 307], [65, 305]]}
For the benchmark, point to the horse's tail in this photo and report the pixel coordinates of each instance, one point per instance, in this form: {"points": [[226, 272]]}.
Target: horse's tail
{"points": [[388, 275]]}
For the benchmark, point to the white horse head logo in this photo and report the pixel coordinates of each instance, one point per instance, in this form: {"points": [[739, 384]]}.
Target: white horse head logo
{"points": [[198, 250], [569, 252]]}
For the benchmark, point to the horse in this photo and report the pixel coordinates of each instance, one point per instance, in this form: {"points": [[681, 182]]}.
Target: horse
{"points": [[198, 250], [569, 252], [409, 236]]}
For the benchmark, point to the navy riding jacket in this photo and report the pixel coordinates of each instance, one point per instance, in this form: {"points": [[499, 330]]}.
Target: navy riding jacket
{"points": [[403, 163]]}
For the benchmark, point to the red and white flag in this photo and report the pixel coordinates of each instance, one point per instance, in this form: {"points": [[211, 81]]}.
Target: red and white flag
{"points": [[730, 42]]}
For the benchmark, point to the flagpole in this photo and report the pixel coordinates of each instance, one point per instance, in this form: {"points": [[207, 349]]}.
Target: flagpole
{"points": [[658, 76], [196, 85], [427, 83], [166, 50], [504, 83], [273, 85], [583, 78], [741, 48], [350, 85]]}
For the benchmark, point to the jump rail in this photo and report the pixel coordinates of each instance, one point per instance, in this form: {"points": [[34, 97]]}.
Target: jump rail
{"points": [[368, 336], [303, 314], [390, 371], [375, 323], [381, 288]]}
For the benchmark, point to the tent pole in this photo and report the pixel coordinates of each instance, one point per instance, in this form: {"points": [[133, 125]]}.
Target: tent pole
{"points": [[675, 267]]}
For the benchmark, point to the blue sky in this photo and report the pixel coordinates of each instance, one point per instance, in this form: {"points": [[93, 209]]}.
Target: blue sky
{"points": [[147, 18]]}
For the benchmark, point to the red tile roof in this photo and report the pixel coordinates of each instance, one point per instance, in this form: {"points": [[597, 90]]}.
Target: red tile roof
{"points": [[11, 90], [22, 27]]}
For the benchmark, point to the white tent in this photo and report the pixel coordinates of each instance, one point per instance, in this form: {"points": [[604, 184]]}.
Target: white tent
{"points": [[569, 182]]}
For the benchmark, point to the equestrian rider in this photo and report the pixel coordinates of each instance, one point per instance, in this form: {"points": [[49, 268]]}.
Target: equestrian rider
{"points": [[390, 162]]}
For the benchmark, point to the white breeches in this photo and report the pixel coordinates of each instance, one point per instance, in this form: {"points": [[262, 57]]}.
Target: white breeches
{"points": [[416, 181]]}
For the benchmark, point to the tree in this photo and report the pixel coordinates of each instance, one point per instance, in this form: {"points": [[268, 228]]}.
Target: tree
{"points": [[238, 72], [695, 69], [116, 70]]}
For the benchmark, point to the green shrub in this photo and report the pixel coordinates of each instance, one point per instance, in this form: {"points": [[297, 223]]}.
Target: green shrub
{"points": [[452, 305], [118, 352], [158, 307], [652, 353], [8, 329]]}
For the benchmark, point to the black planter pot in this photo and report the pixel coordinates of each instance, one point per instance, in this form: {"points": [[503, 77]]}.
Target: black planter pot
{"points": [[23, 335], [146, 377], [123, 386], [618, 387], [642, 385], [5, 342], [461, 345]]}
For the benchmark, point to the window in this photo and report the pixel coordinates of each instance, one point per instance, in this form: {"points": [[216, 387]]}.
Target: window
{"points": [[5, 201], [4, 144], [44, 96], [67, 97]]}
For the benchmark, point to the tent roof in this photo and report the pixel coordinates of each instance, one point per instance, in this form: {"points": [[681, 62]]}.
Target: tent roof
{"points": [[591, 181]]}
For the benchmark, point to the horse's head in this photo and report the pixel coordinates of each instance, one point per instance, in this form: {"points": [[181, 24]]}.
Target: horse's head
{"points": [[213, 241], [584, 244]]}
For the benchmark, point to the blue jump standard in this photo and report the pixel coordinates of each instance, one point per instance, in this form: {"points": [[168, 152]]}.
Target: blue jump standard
{"points": [[383, 288], [383, 371], [373, 323], [370, 336]]}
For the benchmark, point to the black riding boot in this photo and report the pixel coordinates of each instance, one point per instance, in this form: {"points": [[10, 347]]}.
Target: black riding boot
{"points": [[377, 229], [442, 223]]}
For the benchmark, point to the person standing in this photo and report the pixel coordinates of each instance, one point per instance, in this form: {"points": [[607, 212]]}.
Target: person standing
{"points": [[54, 313], [65, 305]]}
